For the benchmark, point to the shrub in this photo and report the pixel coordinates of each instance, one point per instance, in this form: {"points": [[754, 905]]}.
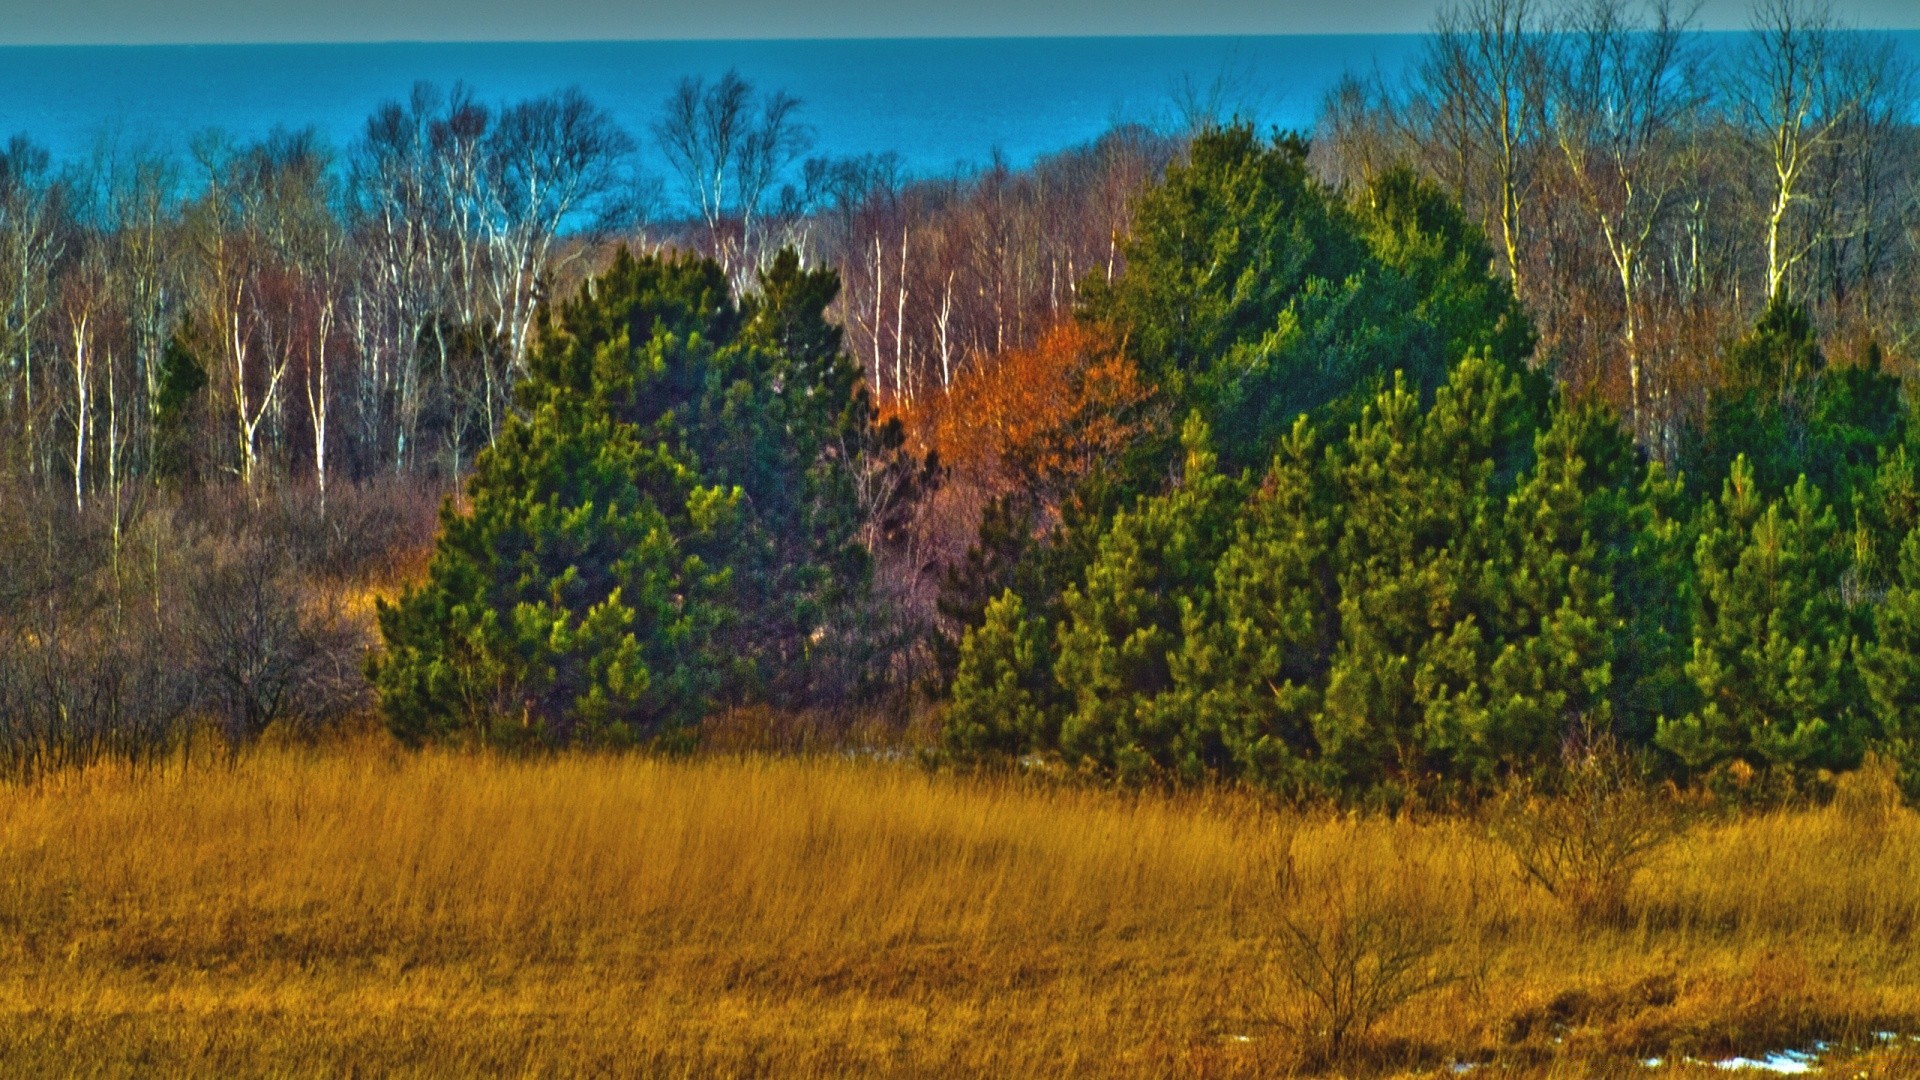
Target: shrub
{"points": [[1357, 939], [1584, 842]]}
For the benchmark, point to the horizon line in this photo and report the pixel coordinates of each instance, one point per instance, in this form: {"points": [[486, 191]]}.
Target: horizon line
{"points": [[823, 39]]}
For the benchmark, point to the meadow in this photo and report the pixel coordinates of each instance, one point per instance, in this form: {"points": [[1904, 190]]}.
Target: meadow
{"points": [[360, 909]]}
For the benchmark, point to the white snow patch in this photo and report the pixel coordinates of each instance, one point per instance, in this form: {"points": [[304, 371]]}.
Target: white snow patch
{"points": [[1785, 1063]]}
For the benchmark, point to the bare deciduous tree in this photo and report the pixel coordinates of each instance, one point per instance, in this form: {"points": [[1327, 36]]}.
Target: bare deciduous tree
{"points": [[1627, 99], [730, 146]]}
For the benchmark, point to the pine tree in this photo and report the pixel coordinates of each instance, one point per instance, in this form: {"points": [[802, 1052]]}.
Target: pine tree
{"points": [[571, 602], [1004, 700], [1126, 621], [671, 519], [1413, 228], [1253, 663], [1791, 414], [1421, 536], [1773, 645], [1891, 666], [1554, 617]]}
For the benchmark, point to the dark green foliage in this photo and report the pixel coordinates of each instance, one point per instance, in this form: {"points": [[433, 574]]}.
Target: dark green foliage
{"points": [[1475, 632], [1416, 230], [1891, 666], [1227, 243], [1791, 414], [1399, 607], [1252, 669], [1444, 577], [1004, 699], [1773, 639], [183, 379], [671, 519], [1253, 293]]}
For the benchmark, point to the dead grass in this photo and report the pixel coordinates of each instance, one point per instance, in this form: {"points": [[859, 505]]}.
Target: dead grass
{"points": [[367, 911]]}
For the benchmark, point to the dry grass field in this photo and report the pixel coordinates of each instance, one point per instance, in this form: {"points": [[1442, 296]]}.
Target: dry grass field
{"points": [[366, 911]]}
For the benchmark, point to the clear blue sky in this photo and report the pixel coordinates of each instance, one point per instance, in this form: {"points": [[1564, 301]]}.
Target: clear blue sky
{"points": [[24, 22]]}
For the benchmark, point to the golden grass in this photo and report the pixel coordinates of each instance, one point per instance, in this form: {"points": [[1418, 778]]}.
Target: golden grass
{"points": [[373, 912]]}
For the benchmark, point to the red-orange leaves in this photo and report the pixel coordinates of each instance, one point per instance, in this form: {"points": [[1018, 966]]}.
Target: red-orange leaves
{"points": [[1039, 418]]}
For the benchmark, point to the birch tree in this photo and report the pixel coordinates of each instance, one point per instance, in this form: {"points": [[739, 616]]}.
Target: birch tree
{"points": [[1629, 92]]}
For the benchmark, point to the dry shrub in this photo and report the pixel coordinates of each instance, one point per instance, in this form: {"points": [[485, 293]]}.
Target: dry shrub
{"points": [[1585, 842], [266, 648], [1360, 934]]}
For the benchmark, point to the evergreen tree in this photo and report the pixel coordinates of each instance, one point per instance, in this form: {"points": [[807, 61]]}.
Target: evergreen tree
{"points": [[1223, 245], [1791, 414], [1005, 702], [1553, 591], [670, 519], [1654, 586], [1891, 666], [1773, 644], [1421, 532], [1886, 510], [1415, 229], [1253, 663], [1126, 622]]}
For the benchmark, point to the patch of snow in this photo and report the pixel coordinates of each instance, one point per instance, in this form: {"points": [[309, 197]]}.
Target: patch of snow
{"points": [[1652, 1063], [1785, 1063]]}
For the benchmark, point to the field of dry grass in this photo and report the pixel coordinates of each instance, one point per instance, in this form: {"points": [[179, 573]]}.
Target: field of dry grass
{"points": [[367, 911]]}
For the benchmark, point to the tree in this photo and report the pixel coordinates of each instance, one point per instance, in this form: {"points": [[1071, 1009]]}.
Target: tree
{"points": [[1774, 646], [672, 522], [1418, 554], [1891, 666], [1252, 666], [1037, 421], [33, 242], [1004, 700], [1254, 293], [1125, 624], [1221, 253], [1413, 228], [1792, 414], [1784, 97], [1487, 65], [1628, 94], [730, 146]]}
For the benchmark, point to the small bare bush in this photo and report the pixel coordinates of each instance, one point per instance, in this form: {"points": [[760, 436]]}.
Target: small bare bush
{"points": [[266, 650], [1357, 939], [1585, 842]]}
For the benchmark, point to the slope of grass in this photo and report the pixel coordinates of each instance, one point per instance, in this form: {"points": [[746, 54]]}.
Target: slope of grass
{"points": [[365, 910]]}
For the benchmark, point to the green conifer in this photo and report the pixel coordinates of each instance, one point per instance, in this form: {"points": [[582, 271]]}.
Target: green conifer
{"points": [[1773, 645], [1004, 700], [1127, 620], [670, 519], [1253, 662]]}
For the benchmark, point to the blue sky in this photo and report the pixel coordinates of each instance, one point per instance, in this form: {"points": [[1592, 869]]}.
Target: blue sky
{"points": [[157, 21]]}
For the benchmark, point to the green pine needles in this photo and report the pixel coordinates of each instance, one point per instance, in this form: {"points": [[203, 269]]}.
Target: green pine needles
{"points": [[1386, 560], [670, 521]]}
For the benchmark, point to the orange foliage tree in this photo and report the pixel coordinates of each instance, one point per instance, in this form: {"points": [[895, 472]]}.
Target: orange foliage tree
{"points": [[1034, 420]]}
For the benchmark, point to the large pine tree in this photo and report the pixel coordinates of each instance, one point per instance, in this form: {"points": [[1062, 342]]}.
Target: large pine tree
{"points": [[1773, 647], [670, 519]]}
